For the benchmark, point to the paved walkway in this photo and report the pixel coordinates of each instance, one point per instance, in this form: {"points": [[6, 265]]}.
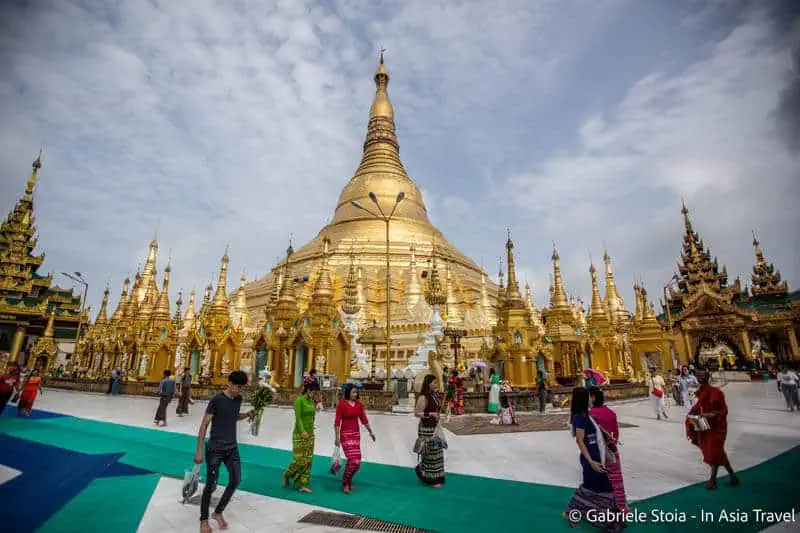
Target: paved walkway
{"points": [[116, 455]]}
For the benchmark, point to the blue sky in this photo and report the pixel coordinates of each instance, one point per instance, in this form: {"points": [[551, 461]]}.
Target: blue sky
{"points": [[579, 122]]}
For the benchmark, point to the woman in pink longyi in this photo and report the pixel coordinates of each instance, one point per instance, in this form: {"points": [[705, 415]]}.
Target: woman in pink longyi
{"points": [[350, 414], [607, 420]]}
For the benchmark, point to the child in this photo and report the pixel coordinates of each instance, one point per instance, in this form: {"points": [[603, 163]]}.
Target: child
{"points": [[222, 414], [506, 416]]}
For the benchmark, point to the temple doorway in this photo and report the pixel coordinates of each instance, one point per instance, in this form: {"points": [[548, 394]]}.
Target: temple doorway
{"points": [[300, 363], [718, 353], [159, 364], [261, 359], [194, 361], [41, 363]]}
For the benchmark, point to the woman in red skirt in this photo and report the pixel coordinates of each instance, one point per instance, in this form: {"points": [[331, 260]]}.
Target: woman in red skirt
{"points": [[350, 414]]}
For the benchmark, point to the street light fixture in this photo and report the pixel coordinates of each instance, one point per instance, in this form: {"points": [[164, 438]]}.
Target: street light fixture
{"points": [[386, 219]]}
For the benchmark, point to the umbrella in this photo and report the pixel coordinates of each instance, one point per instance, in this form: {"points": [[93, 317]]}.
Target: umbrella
{"points": [[478, 364], [597, 376]]}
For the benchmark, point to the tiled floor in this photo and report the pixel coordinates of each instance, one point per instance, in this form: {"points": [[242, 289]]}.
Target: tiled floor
{"points": [[656, 456]]}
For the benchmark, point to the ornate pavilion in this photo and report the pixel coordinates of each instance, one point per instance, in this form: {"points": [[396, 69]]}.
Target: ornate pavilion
{"points": [[36, 318], [712, 321]]}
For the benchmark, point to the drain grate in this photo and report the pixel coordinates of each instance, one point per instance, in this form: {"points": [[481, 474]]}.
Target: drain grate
{"points": [[349, 521]]}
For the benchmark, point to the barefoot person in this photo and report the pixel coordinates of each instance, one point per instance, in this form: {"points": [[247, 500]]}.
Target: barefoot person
{"points": [[222, 414], [186, 392], [166, 390], [350, 414], [710, 438], [657, 386], [303, 438], [430, 452]]}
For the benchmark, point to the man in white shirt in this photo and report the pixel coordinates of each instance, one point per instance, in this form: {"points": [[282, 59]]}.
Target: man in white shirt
{"points": [[657, 386], [788, 382]]}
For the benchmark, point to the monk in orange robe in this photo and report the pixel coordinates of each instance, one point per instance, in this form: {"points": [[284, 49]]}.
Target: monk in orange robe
{"points": [[711, 404]]}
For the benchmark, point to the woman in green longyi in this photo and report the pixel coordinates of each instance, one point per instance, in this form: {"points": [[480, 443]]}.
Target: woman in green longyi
{"points": [[305, 408]]}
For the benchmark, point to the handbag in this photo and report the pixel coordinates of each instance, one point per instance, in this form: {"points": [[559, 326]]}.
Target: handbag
{"points": [[699, 422], [658, 393], [438, 436]]}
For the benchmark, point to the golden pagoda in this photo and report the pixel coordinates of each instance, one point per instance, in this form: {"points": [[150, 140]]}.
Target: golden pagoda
{"points": [[377, 181], [30, 307]]}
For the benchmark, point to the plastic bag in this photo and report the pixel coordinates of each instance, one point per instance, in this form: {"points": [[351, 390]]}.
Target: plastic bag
{"points": [[439, 438], [336, 461], [191, 479]]}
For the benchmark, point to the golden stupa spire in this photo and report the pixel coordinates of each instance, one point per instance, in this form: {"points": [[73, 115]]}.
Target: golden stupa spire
{"points": [[287, 287], [122, 305], [31, 186], [613, 301], [324, 285], [513, 296], [102, 315], [191, 310], [350, 305], [161, 310], [597, 310], [177, 319], [220, 296], [381, 171], [558, 298]]}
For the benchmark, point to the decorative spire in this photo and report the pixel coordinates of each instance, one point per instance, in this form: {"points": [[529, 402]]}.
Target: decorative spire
{"points": [[102, 314], [696, 267], [350, 305], [613, 301], [161, 311], [122, 305], [324, 285], [191, 308], [287, 286], [558, 298], [434, 294], [513, 297], [766, 280], [597, 310], [177, 320], [220, 296], [638, 312], [31, 186]]}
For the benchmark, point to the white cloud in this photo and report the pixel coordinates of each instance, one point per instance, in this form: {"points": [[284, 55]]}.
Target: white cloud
{"points": [[706, 133]]}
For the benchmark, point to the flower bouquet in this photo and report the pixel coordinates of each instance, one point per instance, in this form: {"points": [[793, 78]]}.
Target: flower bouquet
{"points": [[260, 398]]}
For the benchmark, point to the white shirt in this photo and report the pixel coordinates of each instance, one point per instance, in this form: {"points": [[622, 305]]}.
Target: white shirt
{"points": [[788, 377], [657, 382]]}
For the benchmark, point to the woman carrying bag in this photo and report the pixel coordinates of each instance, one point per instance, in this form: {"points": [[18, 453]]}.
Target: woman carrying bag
{"points": [[431, 443]]}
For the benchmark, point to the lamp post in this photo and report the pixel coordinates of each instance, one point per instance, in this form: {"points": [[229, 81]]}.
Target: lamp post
{"points": [[373, 337], [78, 278], [386, 219], [456, 335]]}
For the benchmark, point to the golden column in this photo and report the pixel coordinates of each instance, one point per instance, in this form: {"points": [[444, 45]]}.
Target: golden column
{"points": [[386, 219], [16, 343]]}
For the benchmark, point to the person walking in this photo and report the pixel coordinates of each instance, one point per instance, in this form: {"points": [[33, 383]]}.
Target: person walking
{"points": [[606, 419], [788, 380], [541, 390], [305, 410], [186, 392], [29, 390], [9, 381], [657, 386], [710, 433], [430, 452], [116, 377], [350, 414], [222, 414], [595, 494], [166, 390], [688, 381]]}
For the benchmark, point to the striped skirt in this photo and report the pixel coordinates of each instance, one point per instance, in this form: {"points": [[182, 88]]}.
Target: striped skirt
{"points": [[351, 448], [585, 500], [430, 468], [615, 477], [302, 457]]}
